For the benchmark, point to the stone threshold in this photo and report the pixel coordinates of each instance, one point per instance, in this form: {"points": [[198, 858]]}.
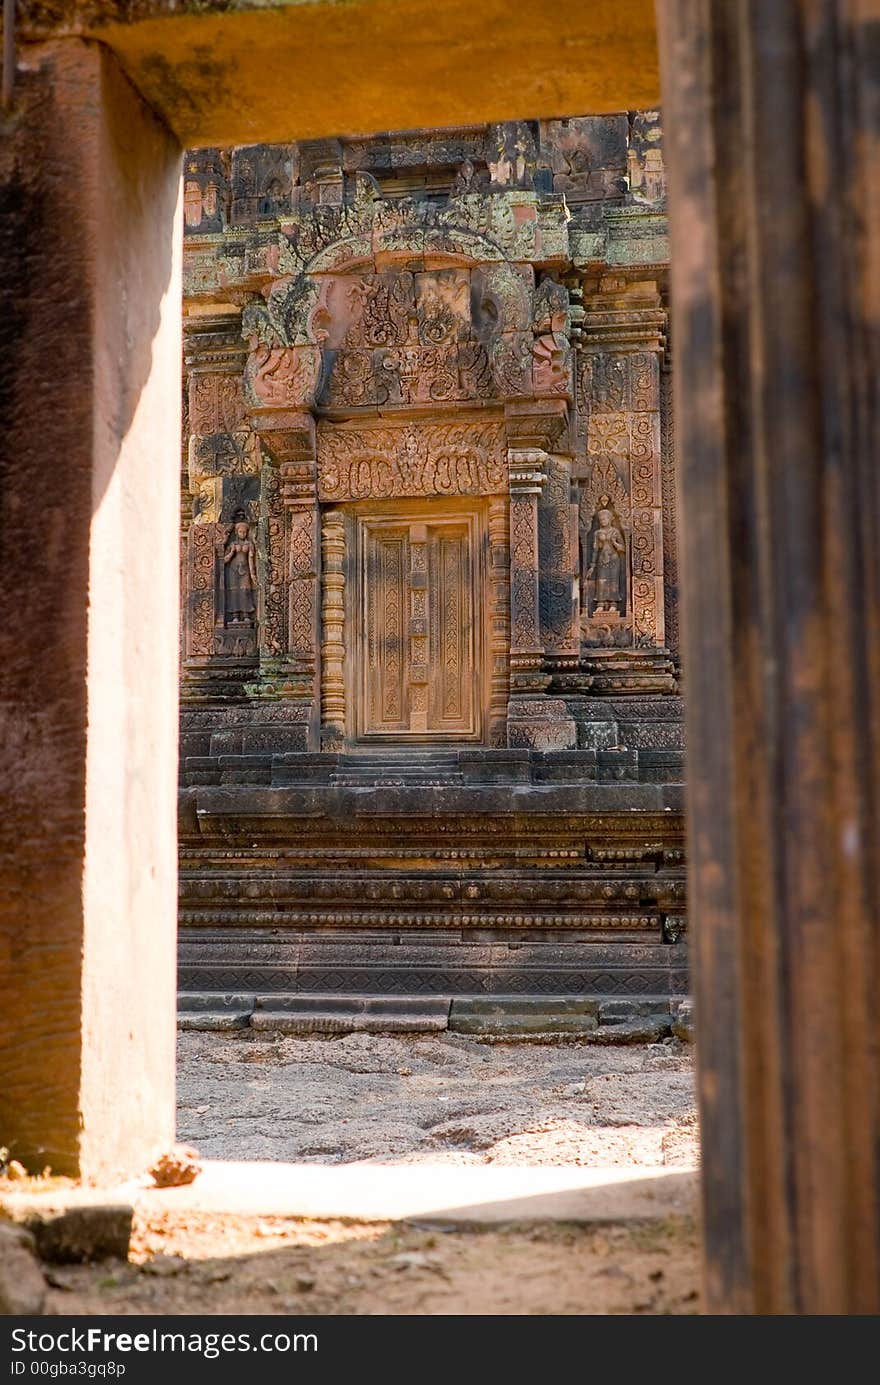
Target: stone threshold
{"points": [[428, 1194], [611, 1021]]}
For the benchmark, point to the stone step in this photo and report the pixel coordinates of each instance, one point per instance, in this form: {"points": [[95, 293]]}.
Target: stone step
{"points": [[643, 1019]]}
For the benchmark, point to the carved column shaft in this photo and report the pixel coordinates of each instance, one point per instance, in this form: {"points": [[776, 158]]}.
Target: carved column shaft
{"points": [[333, 630], [290, 634], [418, 627], [499, 619], [300, 498], [526, 646], [560, 633]]}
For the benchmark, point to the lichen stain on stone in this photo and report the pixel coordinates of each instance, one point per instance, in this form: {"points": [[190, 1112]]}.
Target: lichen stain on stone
{"points": [[185, 87]]}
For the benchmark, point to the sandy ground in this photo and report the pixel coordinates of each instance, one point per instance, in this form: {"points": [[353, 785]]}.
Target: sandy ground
{"points": [[412, 1099], [272, 1266]]}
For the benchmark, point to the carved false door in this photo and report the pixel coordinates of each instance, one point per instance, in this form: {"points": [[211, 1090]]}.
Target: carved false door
{"points": [[418, 613]]}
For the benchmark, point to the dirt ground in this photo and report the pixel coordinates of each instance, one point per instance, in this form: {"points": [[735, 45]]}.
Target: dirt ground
{"points": [[206, 1264], [440, 1098]]}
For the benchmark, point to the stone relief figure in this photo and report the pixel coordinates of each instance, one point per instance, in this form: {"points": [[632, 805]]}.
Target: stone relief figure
{"points": [[240, 560], [603, 552]]}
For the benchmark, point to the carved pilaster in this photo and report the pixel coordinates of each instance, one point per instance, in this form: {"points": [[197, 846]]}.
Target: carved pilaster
{"points": [[418, 627], [273, 627], [670, 526], [533, 719], [222, 474], [621, 502], [289, 648], [526, 647], [558, 548], [300, 499], [499, 619], [333, 626]]}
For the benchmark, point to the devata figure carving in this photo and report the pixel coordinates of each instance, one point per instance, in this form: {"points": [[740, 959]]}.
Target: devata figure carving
{"points": [[605, 549], [239, 557]]}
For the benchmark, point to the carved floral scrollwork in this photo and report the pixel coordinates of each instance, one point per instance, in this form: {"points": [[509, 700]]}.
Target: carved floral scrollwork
{"points": [[200, 641], [216, 403], [444, 459]]}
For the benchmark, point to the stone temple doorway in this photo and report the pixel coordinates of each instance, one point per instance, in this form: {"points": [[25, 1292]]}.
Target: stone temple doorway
{"points": [[775, 319], [418, 617], [433, 773]]}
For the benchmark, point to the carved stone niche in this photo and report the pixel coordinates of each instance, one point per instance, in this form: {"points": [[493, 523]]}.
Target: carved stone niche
{"points": [[222, 603]]}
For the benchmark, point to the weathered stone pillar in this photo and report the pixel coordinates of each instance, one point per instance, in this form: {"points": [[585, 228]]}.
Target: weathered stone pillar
{"points": [[499, 619], [533, 719], [290, 630], [333, 630], [90, 389], [417, 581], [771, 119], [558, 546], [526, 649]]}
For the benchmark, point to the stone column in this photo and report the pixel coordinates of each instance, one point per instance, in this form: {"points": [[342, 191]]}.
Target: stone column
{"points": [[290, 627], [499, 619], [526, 649], [770, 113], [533, 719], [90, 354], [558, 545], [418, 627], [333, 641]]}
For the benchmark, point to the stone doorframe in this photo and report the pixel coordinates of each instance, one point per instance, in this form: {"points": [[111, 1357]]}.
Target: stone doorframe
{"points": [[775, 323]]}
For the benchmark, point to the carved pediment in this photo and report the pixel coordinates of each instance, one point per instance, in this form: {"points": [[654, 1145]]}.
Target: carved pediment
{"points": [[382, 302]]}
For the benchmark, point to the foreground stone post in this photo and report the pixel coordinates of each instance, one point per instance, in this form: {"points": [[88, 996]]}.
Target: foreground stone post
{"points": [[89, 383], [776, 311]]}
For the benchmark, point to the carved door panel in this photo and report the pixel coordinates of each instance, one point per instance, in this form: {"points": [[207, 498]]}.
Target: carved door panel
{"points": [[418, 612], [450, 629], [386, 569]]}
